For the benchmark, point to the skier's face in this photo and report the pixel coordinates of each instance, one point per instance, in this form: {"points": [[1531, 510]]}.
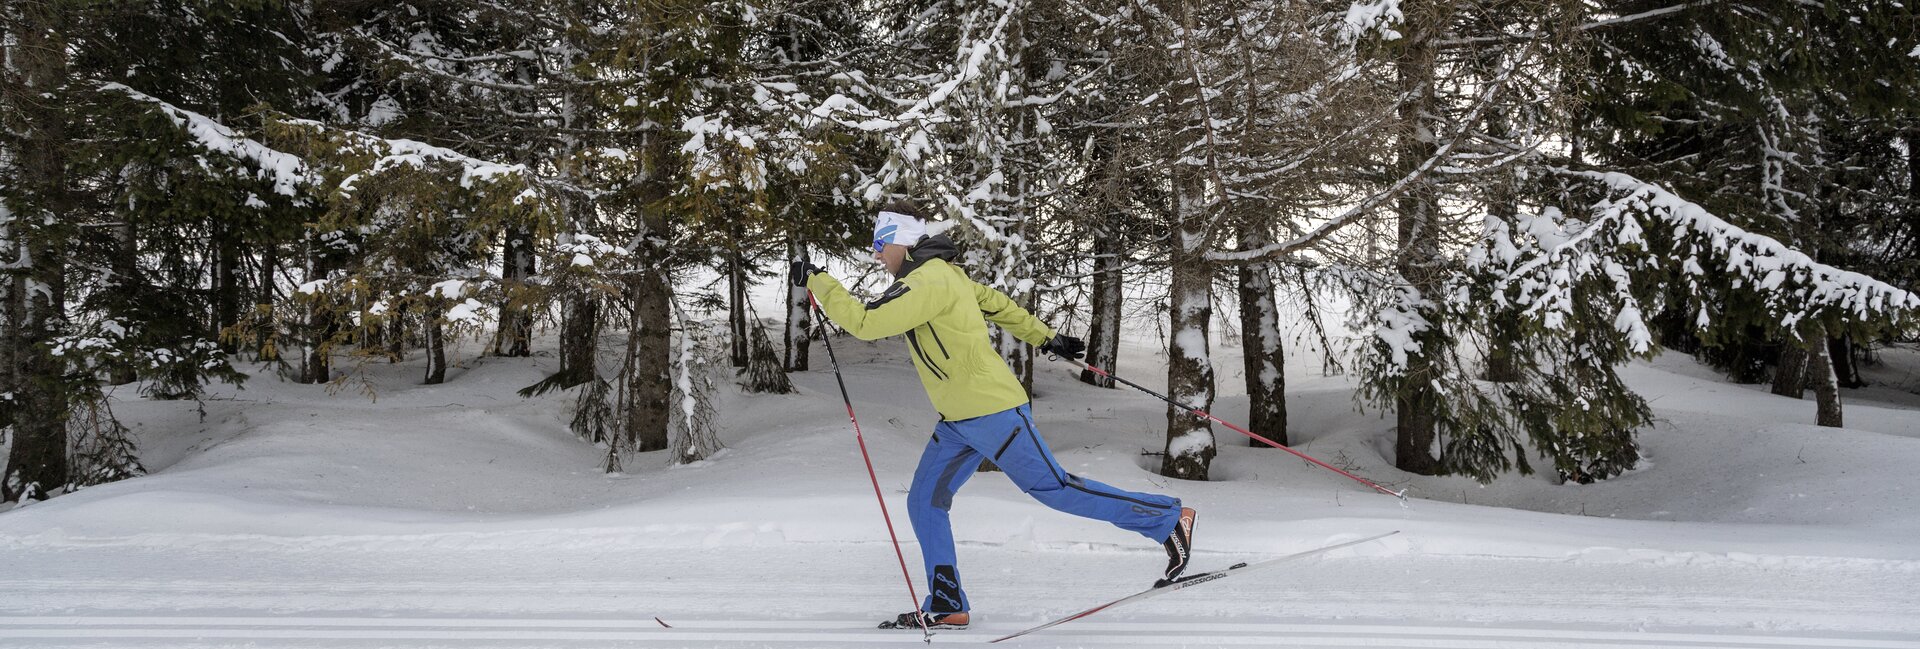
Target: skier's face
{"points": [[893, 256]]}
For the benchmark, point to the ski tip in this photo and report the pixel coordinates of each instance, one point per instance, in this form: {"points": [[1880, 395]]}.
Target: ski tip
{"points": [[663, 623]]}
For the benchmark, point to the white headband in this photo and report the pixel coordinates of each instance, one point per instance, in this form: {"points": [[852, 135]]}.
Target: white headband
{"points": [[897, 228]]}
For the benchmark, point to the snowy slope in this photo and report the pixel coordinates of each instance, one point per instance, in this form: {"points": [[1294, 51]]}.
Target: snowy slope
{"points": [[463, 515]]}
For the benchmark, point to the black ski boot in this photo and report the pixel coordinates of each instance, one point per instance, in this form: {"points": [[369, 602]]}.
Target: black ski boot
{"points": [[1179, 547], [932, 621]]}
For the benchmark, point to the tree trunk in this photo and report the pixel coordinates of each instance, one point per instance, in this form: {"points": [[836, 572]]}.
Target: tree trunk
{"points": [[1913, 172], [1502, 367], [436, 343], [1826, 385], [694, 438], [1103, 336], [739, 337], [650, 388], [36, 305], [1190, 443], [1265, 355], [1790, 373], [1419, 251], [579, 339], [320, 326], [1504, 327], [515, 336], [799, 315], [267, 294], [1840, 349], [226, 284], [1413, 446], [126, 283], [395, 336]]}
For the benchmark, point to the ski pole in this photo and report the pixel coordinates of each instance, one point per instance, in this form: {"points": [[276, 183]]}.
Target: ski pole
{"points": [[926, 634], [1401, 494]]}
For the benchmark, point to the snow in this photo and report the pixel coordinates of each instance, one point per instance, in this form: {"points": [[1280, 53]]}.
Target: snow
{"points": [[1190, 443], [402, 152], [383, 111], [1749, 255], [469, 311], [1380, 15], [393, 153], [1716, 54], [1399, 323], [462, 515], [448, 288], [287, 171], [1191, 341]]}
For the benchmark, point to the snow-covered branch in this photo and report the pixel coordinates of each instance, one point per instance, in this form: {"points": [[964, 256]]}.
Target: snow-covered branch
{"points": [[392, 153], [1650, 14], [1541, 272], [287, 171]]}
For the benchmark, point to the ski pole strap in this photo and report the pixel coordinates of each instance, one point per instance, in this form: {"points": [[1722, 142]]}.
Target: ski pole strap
{"points": [[1401, 494]]}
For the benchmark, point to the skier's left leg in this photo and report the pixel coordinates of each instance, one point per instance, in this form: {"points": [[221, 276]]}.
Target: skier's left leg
{"points": [[945, 465], [1030, 464]]}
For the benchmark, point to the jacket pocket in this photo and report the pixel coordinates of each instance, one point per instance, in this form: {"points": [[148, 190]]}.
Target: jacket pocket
{"points": [[914, 341], [937, 343]]}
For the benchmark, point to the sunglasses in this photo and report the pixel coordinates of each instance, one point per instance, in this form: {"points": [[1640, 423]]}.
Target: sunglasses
{"points": [[879, 245]]}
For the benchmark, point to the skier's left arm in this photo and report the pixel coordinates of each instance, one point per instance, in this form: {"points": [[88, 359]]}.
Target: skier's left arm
{"points": [[1001, 310]]}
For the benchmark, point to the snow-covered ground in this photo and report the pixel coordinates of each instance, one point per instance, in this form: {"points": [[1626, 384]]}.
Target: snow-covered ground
{"points": [[462, 515]]}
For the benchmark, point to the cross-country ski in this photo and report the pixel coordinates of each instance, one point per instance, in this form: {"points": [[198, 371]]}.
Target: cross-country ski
{"points": [[1194, 580]]}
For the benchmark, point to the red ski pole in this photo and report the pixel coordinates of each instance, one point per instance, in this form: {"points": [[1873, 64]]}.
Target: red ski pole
{"points": [[926, 634], [1401, 494]]}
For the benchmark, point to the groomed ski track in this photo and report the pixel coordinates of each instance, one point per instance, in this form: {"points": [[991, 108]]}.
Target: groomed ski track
{"points": [[457, 632], [403, 596], [287, 517]]}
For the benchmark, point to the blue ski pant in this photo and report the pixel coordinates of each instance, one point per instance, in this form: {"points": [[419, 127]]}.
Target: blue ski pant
{"points": [[1009, 439]]}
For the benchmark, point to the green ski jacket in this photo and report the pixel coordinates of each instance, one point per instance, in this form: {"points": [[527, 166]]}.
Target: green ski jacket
{"points": [[944, 315]]}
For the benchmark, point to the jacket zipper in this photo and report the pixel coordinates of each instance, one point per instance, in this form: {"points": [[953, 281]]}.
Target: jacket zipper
{"points": [[914, 341], [936, 341]]}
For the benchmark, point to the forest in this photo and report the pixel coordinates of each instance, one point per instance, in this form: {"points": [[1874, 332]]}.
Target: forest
{"points": [[1509, 200]]}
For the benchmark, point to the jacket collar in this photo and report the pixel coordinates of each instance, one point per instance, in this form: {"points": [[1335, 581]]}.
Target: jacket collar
{"points": [[934, 247]]}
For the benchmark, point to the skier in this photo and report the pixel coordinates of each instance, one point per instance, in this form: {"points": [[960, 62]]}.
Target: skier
{"points": [[984, 412]]}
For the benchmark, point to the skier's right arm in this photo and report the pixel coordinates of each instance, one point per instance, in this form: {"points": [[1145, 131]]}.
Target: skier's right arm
{"points": [[900, 308]]}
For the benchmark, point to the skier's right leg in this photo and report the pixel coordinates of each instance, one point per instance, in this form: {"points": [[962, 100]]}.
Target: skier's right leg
{"points": [[945, 465]]}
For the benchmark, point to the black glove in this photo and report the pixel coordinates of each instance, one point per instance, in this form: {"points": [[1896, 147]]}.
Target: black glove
{"points": [[801, 271], [1065, 346]]}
